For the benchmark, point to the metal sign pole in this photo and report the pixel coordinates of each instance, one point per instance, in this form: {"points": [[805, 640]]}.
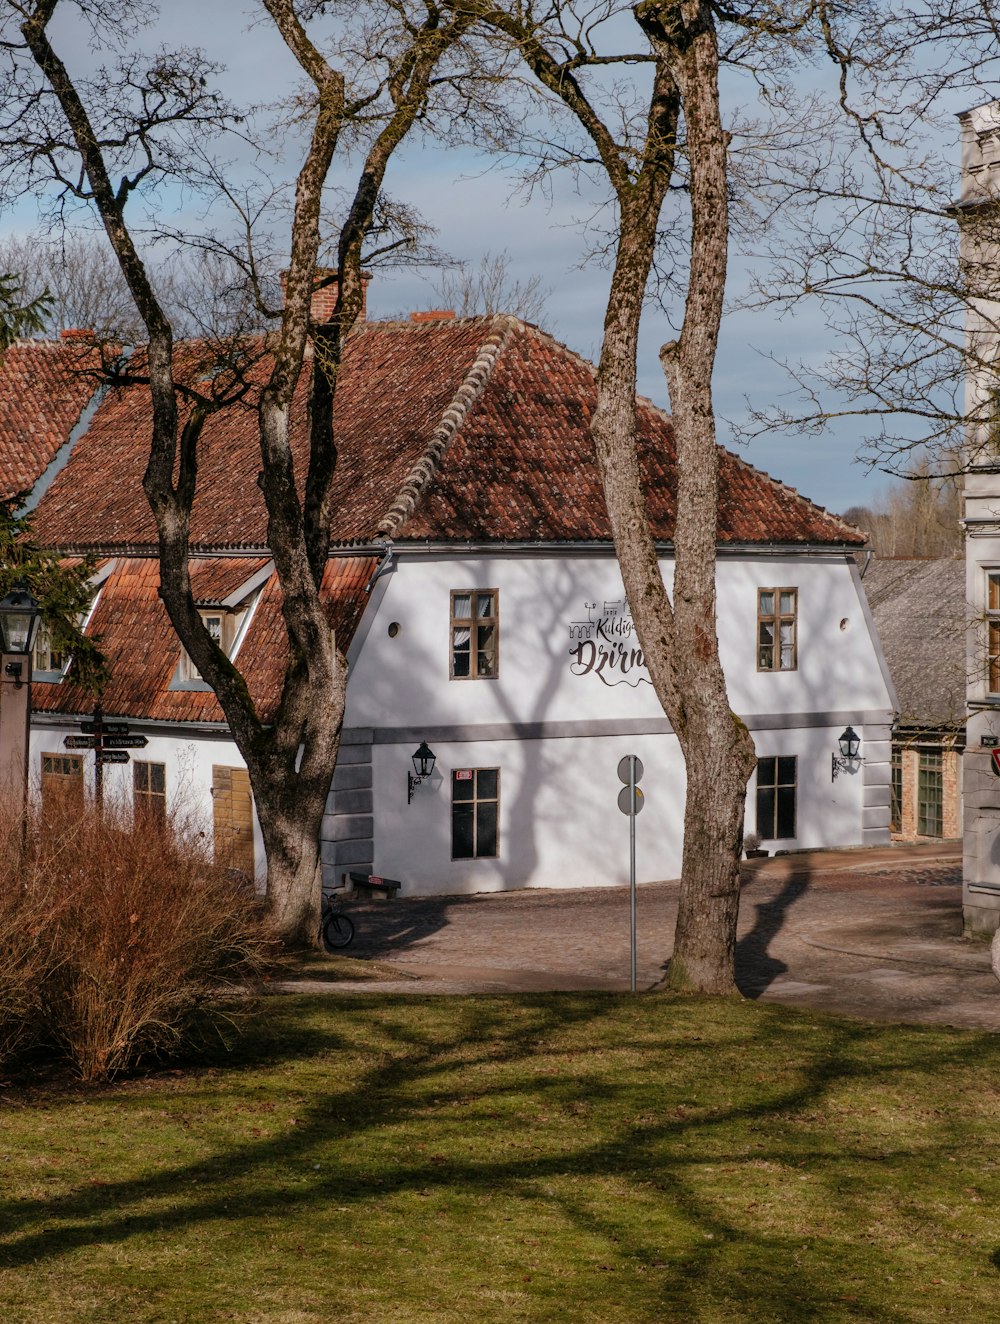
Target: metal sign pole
{"points": [[631, 853], [98, 762], [629, 803]]}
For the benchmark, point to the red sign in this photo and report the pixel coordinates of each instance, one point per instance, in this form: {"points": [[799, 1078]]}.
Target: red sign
{"points": [[995, 760], [463, 774], [375, 880]]}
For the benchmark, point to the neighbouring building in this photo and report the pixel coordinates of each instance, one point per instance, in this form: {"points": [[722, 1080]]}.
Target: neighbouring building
{"points": [[919, 609], [474, 587], [978, 212]]}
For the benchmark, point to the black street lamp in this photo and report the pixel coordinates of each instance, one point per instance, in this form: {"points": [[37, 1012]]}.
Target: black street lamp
{"points": [[423, 765], [20, 617], [849, 742]]}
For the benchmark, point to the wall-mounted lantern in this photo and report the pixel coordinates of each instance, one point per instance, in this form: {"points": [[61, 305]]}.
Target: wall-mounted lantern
{"points": [[423, 765], [849, 742]]}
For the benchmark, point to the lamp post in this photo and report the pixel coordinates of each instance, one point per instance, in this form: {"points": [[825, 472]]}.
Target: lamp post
{"points": [[20, 617]]}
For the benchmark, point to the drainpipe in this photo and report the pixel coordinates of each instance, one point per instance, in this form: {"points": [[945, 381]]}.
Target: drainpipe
{"points": [[387, 563]]}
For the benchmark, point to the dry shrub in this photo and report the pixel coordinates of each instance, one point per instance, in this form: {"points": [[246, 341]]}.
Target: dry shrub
{"points": [[24, 917], [138, 936]]}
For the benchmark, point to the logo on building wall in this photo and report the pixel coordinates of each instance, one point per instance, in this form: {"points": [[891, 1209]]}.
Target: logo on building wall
{"points": [[605, 645]]}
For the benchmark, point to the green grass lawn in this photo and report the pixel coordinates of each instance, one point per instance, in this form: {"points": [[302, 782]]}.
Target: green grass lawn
{"points": [[568, 1158]]}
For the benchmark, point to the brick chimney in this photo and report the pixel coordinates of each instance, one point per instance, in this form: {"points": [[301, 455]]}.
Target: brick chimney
{"points": [[324, 297], [433, 315]]}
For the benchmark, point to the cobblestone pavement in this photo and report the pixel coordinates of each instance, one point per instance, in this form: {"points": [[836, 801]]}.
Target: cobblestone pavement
{"points": [[873, 933]]}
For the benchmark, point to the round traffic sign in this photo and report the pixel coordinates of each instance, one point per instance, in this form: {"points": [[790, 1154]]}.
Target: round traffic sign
{"points": [[625, 798], [625, 772]]}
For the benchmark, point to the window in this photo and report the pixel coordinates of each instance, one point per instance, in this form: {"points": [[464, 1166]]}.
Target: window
{"points": [[896, 814], [47, 658], [475, 801], [776, 778], [993, 631], [474, 634], [149, 793], [930, 794], [777, 648], [220, 625]]}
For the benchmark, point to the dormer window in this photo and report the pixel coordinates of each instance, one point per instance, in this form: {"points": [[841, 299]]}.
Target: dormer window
{"points": [[47, 658], [224, 628]]}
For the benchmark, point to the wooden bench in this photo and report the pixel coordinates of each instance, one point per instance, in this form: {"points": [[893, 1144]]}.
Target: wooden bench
{"points": [[372, 884]]}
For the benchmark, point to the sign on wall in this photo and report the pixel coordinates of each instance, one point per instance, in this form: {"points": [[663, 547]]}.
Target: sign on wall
{"points": [[605, 645]]}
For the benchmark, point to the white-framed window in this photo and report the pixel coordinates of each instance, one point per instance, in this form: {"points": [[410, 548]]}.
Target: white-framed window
{"points": [[777, 629], [475, 813], [225, 628], [47, 658], [993, 632], [475, 634]]}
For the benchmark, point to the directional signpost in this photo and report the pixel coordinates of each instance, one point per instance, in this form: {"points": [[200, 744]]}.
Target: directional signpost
{"points": [[630, 801], [110, 742]]}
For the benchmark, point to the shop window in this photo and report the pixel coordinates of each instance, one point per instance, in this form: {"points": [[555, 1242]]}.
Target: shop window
{"points": [[777, 628], [475, 629], [776, 790], [475, 805], [930, 794], [149, 793]]}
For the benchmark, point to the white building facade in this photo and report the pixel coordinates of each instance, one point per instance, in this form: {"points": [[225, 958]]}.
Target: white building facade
{"points": [[978, 214], [483, 616], [524, 788]]}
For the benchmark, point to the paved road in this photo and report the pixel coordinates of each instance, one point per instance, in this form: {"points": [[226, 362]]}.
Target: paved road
{"points": [[873, 933]]}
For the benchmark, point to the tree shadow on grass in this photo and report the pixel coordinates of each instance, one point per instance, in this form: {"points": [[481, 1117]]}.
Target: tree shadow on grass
{"points": [[584, 1095]]}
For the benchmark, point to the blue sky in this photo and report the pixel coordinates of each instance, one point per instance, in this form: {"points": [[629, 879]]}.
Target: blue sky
{"points": [[475, 208]]}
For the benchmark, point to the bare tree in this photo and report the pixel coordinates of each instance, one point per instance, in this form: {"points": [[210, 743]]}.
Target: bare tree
{"points": [[490, 287], [103, 141], [664, 136], [916, 517], [82, 280]]}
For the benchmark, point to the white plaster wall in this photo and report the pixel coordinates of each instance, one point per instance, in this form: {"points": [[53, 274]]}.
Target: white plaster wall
{"points": [[188, 760], [559, 821], [404, 680], [980, 786]]}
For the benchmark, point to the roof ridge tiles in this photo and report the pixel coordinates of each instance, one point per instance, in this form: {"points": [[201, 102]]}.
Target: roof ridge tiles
{"points": [[474, 383], [644, 401]]}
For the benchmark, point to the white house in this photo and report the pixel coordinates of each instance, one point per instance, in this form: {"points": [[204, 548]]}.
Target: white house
{"points": [[473, 581]]}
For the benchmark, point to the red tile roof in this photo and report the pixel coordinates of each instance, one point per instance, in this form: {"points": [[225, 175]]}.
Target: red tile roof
{"points": [[143, 651], [45, 386], [477, 425], [465, 429]]}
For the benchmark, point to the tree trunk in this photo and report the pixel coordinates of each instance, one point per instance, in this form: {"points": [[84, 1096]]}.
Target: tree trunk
{"points": [[290, 825]]}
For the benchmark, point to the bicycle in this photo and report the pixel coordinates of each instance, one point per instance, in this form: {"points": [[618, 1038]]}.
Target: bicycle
{"points": [[336, 928]]}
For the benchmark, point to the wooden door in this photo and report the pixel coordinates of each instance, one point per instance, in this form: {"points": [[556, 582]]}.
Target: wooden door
{"points": [[232, 812], [62, 784]]}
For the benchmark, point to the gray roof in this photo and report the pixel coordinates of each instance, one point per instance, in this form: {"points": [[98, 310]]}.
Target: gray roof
{"points": [[919, 609]]}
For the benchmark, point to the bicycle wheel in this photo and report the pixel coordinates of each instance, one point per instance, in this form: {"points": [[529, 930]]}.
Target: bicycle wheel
{"points": [[338, 931]]}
